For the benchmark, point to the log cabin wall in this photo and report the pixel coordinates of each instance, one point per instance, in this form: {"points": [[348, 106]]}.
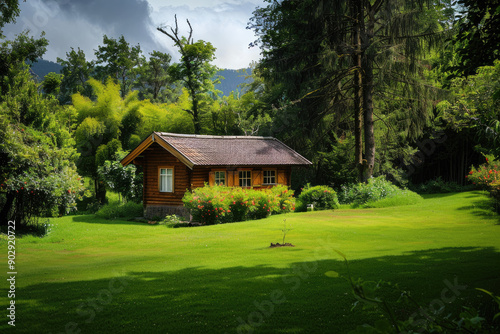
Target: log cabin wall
{"points": [[156, 157], [159, 204]]}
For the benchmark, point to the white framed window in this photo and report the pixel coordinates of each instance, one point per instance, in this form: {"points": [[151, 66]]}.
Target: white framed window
{"points": [[166, 180], [245, 177], [220, 178], [269, 177]]}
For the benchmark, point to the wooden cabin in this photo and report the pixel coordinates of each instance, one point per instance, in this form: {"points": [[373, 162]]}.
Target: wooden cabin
{"points": [[174, 163]]}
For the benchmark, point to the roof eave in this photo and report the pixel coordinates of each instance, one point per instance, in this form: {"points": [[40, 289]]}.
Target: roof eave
{"points": [[137, 151], [176, 153]]}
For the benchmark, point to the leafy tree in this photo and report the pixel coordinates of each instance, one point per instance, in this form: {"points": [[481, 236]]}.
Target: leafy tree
{"points": [[110, 123], [37, 157], [76, 72], [52, 84], [99, 123], [9, 10], [126, 181], [194, 70], [14, 53], [476, 107], [118, 60], [166, 117], [477, 42], [153, 76]]}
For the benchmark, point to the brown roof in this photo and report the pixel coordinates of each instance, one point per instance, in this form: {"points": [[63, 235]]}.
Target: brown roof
{"points": [[203, 150]]}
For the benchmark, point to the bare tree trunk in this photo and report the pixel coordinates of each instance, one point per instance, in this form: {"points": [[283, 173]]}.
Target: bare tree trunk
{"points": [[358, 91], [367, 70]]}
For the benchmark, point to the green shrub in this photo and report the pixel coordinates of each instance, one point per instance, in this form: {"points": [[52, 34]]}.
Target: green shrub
{"points": [[438, 186], [404, 197], [321, 197], [218, 204], [120, 210], [375, 190], [172, 221]]}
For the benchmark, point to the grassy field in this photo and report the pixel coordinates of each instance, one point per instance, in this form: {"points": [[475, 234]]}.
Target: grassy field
{"points": [[96, 276]]}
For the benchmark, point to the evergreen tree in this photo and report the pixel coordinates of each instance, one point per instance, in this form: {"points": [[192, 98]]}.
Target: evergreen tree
{"points": [[330, 57]]}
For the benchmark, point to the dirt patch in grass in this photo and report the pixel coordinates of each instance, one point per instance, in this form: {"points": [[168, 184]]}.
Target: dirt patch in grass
{"points": [[287, 244]]}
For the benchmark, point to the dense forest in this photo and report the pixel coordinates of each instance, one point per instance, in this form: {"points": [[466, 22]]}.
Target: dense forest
{"points": [[405, 89], [229, 80]]}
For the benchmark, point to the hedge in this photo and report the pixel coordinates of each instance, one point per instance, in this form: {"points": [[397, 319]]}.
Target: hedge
{"points": [[219, 204]]}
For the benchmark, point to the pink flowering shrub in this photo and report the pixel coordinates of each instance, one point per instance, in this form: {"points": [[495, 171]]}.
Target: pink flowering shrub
{"points": [[218, 204]]}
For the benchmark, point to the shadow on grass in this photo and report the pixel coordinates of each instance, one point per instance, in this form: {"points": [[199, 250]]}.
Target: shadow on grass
{"points": [[93, 219], [299, 299], [483, 207]]}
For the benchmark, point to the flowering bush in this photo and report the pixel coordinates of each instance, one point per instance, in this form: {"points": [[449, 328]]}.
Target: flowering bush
{"points": [[321, 197], [485, 175], [218, 204]]}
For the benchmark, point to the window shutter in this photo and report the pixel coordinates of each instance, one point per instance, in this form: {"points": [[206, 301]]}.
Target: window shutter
{"points": [[257, 178], [282, 177], [230, 178], [211, 178]]}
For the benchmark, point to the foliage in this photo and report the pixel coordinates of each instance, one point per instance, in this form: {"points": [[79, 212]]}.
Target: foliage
{"points": [[76, 70], [13, 55], [37, 158], [336, 167], [52, 84], [109, 123], [172, 221], [115, 210], [486, 174], [9, 10], [477, 29], [374, 190], [119, 61], [194, 70], [219, 204], [321, 197], [153, 76], [285, 231], [476, 105], [438, 186], [327, 65], [123, 180]]}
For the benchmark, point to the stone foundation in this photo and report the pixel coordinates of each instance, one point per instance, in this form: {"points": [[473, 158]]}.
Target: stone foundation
{"points": [[160, 211]]}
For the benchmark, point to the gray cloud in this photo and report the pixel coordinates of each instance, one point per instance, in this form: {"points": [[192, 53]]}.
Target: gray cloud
{"points": [[82, 23]]}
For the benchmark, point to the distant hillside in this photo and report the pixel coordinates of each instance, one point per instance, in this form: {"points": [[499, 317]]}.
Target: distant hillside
{"points": [[43, 67], [232, 78]]}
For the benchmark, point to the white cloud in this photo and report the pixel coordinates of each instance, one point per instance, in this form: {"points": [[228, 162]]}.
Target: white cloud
{"points": [[223, 25]]}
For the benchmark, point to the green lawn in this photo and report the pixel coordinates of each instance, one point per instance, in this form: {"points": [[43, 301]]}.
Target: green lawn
{"points": [[98, 276]]}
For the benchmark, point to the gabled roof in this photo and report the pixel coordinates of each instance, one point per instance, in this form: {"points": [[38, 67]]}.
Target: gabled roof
{"points": [[203, 150]]}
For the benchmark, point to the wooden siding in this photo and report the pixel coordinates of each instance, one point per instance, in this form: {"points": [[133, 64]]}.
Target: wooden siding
{"points": [[156, 157]]}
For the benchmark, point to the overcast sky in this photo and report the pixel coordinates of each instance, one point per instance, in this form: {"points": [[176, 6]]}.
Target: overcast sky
{"points": [[82, 23]]}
